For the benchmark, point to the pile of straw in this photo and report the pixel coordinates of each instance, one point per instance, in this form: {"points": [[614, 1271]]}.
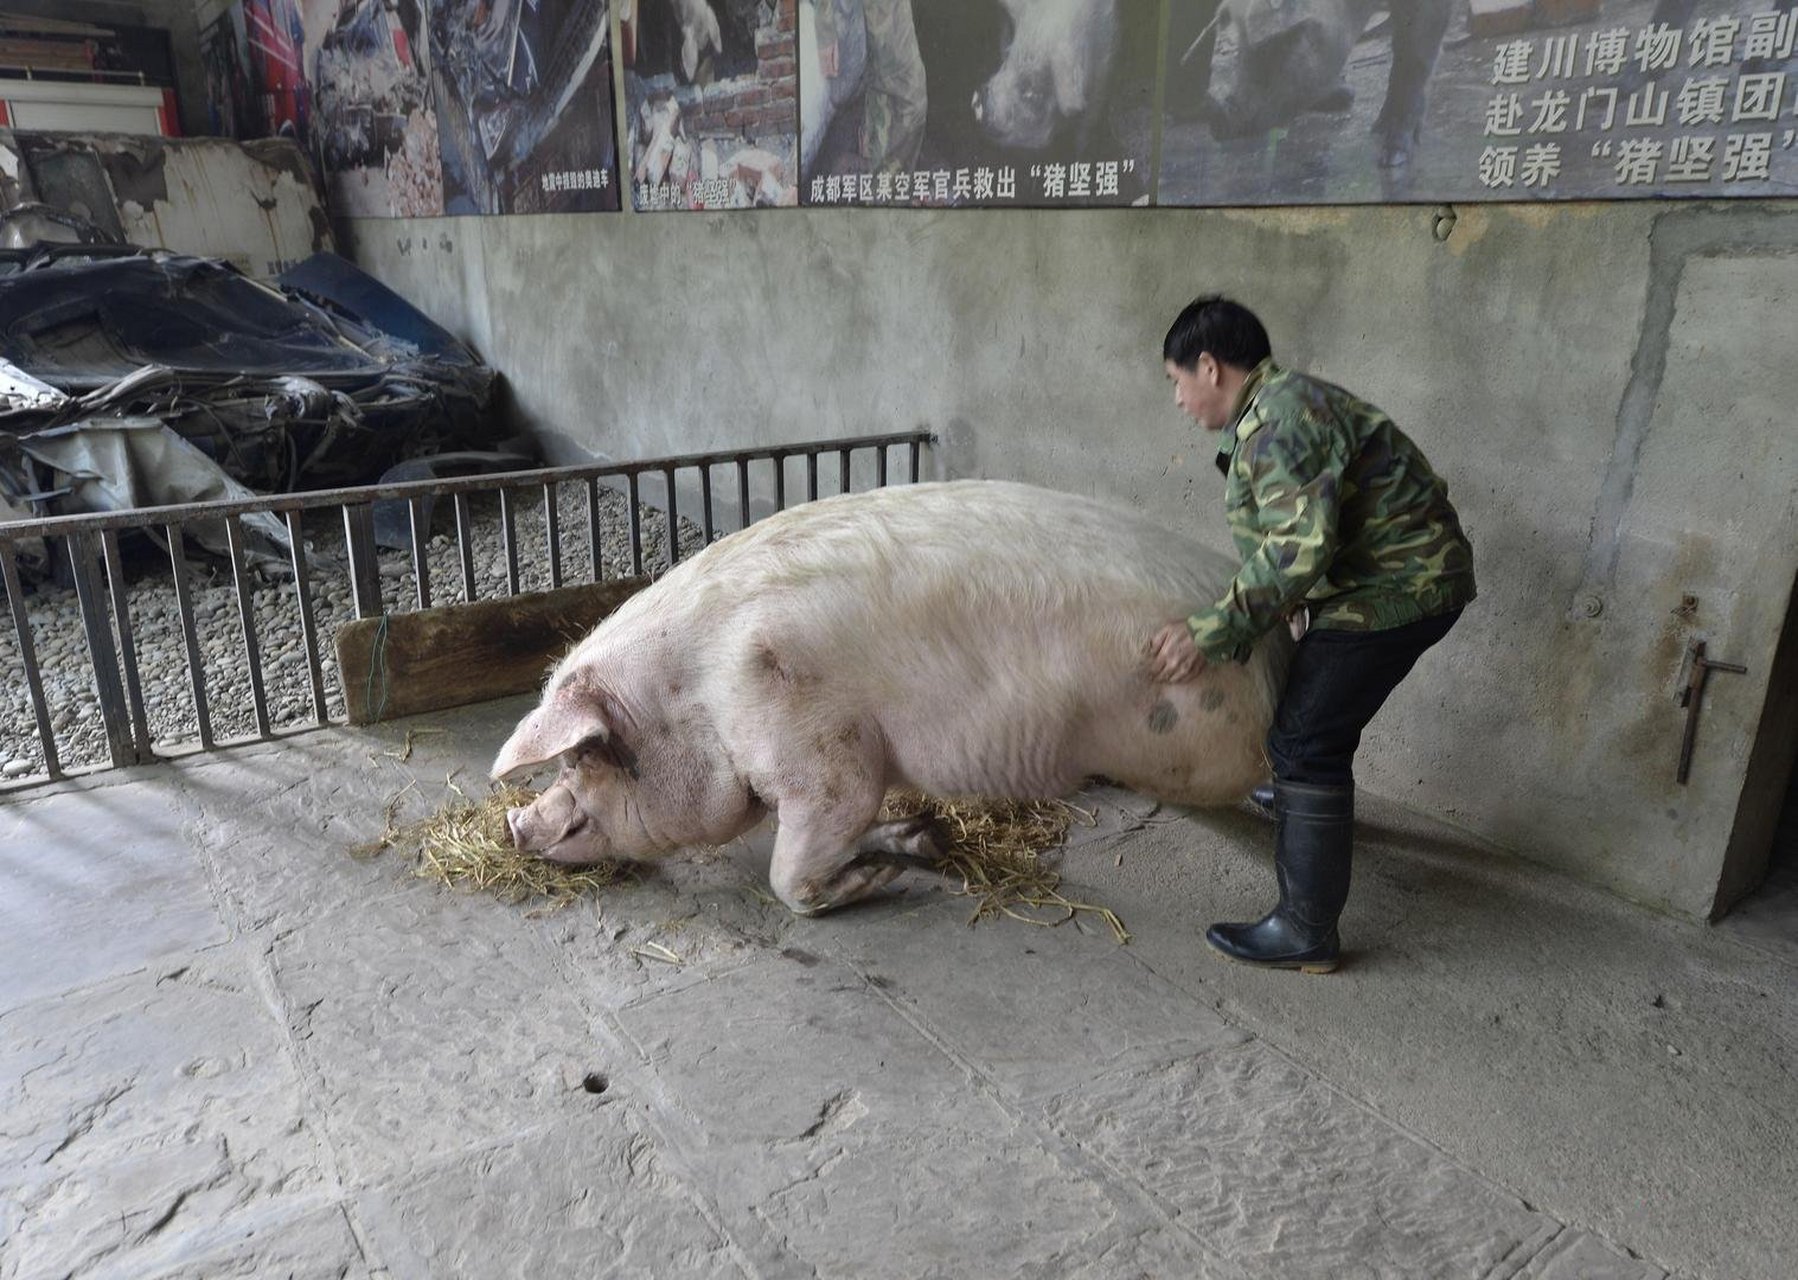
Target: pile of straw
{"points": [[994, 848], [466, 846]]}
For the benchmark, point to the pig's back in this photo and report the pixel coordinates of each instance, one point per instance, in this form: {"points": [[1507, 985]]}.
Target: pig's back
{"points": [[986, 537], [993, 632]]}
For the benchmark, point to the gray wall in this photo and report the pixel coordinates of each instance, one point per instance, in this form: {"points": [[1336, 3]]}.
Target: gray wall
{"points": [[1607, 389]]}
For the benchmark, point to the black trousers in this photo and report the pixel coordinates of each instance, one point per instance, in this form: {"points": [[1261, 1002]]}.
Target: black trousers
{"points": [[1338, 681]]}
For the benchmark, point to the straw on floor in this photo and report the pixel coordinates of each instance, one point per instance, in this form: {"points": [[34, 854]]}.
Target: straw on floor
{"points": [[994, 848]]}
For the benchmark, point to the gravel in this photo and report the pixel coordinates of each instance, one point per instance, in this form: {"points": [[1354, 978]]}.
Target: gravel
{"points": [[68, 674]]}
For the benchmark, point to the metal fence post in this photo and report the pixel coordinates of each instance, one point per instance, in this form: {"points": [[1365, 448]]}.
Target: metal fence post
{"points": [[365, 571], [96, 621]]}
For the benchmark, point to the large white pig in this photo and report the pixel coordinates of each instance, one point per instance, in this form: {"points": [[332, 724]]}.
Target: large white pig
{"points": [[974, 637]]}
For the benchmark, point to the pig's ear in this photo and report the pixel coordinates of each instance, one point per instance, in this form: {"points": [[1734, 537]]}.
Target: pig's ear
{"points": [[567, 718]]}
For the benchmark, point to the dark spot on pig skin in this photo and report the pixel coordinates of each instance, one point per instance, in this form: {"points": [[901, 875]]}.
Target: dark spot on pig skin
{"points": [[805, 958], [1211, 699], [1163, 717]]}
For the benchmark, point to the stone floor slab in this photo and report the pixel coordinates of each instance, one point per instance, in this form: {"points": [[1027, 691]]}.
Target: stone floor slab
{"points": [[1286, 1177], [98, 882], [427, 1023], [314, 1246], [148, 1119], [589, 1197], [862, 1149], [281, 829], [1039, 1009], [1580, 1255], [673, 923]]}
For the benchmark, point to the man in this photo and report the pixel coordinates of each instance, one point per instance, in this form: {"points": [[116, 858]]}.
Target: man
{"points": [[1338, 518], [895, 97]]}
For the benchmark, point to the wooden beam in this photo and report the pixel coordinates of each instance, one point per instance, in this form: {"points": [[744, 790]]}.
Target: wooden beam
{"points": [[406, 663]]}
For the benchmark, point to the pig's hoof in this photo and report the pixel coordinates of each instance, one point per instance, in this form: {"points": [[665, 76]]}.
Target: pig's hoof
{"points": [[922, 837], [919, 841], [853, 883]]}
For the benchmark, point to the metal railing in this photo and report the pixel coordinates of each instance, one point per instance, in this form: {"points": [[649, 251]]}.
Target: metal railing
{"points": [[91, 547]]}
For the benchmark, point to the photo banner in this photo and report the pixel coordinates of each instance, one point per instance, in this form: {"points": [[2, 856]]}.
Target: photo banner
{"points": [[711, 103], [427, 107], [984, 103], [523, 96], [1331, 101], [374, 131]]}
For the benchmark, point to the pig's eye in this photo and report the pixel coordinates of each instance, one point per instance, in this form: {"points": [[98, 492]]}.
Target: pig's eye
{"points": [[606, 751], [594, 750]]}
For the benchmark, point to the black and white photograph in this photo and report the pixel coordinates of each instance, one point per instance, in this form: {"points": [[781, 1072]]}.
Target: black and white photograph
{"points": [[373, 126], [1007, 103], [523, 95], [1352, 101], [711, 103]]}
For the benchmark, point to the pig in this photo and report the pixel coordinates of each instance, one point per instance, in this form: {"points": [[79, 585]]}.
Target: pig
{"points": [[1055, 80], [1290, 56], [699, 32], [962, 638]]}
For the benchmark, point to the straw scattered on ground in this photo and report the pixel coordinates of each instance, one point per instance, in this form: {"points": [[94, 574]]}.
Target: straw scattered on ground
{"points": [[995, 850], [466, 846]]}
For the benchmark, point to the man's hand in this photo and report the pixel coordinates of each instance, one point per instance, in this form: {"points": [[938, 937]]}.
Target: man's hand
{"points": [[1171, 654], [827, 60]]}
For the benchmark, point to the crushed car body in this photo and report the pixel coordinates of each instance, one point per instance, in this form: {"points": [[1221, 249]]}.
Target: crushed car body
{"points": [[322, 379]]}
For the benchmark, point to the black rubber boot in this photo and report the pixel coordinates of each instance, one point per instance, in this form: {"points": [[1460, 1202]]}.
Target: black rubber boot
{"points": [[1261, 800], [1314, 831]]}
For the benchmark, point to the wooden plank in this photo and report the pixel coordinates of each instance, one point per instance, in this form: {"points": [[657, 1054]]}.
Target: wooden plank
{"points": [[407, 663]]}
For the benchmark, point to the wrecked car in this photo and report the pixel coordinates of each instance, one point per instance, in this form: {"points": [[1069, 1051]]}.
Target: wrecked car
{"points": [[323, 379]]}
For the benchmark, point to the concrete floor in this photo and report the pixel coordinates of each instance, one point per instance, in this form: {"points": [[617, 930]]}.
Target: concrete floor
{"points": [[229, 1049]]}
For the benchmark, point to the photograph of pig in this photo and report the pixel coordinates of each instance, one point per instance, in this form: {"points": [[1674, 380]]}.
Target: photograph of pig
{"points": [[976, 102], [1362, 101], [711, 102], [964, 638]]}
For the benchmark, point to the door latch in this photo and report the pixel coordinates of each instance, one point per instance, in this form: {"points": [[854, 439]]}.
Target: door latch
{"points": [[1698, 672]]}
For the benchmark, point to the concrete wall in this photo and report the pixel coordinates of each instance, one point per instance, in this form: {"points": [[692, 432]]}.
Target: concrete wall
{"points": [[1607, 389]]}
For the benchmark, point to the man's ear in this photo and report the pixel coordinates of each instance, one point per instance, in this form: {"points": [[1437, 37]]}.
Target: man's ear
{"points": [[567, 717]]}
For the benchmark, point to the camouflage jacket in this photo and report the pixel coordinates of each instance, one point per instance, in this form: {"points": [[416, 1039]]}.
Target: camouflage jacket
{"points": [[1333, 508]]}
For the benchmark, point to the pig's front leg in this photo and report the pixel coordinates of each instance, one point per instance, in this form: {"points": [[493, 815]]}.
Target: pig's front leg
{"points": [[822, 859]]}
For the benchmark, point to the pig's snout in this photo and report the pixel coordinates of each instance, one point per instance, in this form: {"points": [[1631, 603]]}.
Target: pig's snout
{"points": [[547, 821]]}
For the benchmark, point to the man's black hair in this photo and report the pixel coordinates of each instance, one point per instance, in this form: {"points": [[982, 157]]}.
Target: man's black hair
{"points": [[1228, 330]]}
